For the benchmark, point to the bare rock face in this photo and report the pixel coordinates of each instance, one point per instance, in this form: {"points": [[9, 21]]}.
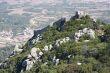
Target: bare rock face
{"points": [[91, 33], [36, 53], [34, 56]]}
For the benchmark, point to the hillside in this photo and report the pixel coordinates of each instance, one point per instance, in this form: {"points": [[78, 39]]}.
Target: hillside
{"points": [[80, 45]]}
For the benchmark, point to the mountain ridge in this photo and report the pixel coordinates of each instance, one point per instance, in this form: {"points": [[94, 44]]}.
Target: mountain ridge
{"points": [[66, 47]]}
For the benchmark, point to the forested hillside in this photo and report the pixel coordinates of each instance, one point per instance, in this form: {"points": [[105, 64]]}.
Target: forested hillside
{"points": [[80, 45]]}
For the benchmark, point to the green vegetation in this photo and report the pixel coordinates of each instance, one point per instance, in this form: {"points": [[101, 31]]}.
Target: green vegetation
{"points": [[94, 55]]}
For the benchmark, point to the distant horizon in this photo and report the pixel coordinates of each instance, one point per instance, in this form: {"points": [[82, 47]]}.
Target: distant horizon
{"points": [[51, 1], [36, 14]]}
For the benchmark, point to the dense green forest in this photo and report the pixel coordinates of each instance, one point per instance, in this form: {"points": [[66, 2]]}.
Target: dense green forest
{"points": [[92, 56]]}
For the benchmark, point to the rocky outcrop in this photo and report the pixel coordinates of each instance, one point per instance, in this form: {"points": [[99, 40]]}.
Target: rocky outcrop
{"points": [[35, 54], [33, 57], [87, 31], [55, 61], [27, 64], [61, 41], [18, 49], [47, 48], [57, 43]]}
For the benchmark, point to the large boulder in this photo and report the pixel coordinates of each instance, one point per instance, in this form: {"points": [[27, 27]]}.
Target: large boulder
{"points": [[91, 33], [36, 53], [46, 48], [77, 36], [18, 49], [85, 30], [55, 61], [27, 64], [34, 56]]}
